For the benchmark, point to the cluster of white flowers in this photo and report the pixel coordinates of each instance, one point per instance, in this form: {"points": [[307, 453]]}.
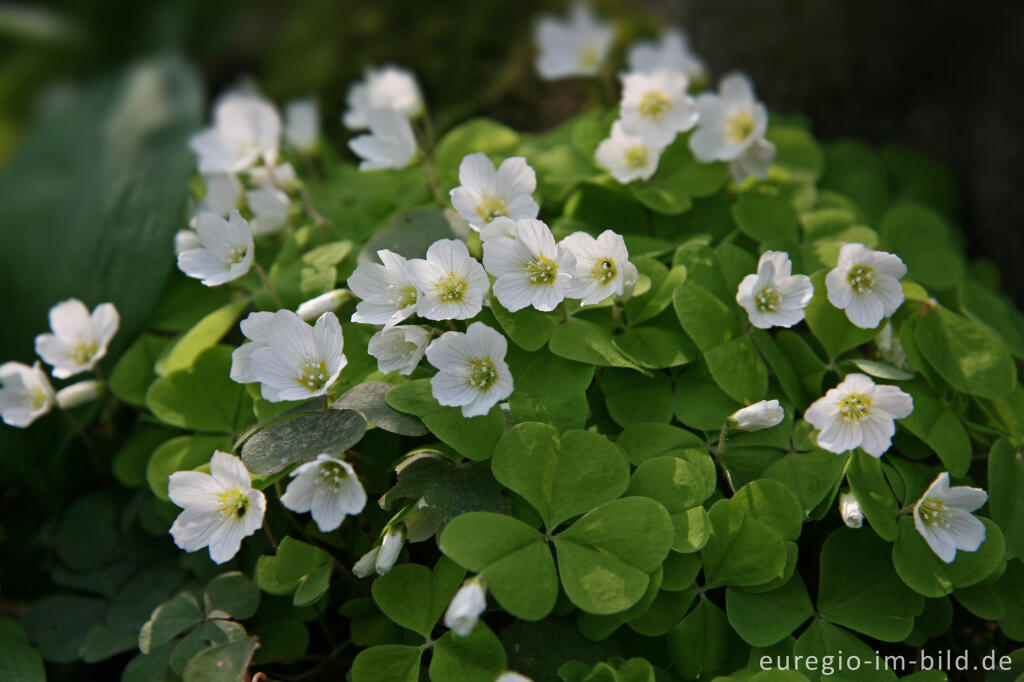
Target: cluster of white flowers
{"points": [[77, 341], [384, 102]]}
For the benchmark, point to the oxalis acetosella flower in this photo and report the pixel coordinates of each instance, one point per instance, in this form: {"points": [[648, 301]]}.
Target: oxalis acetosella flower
{"points": [[473, 374], [602, 267], [466, 607], [220, 508], [381, 558], [399, 349], [671, 52], [391, 142], [775, 297], [291, 359], [485, 193], [849, 510], [246, 131], [731, 128], [79, 339], [865, 284], [655, 106], [25, 394], [302, 124], [628, 157], [267, 201], [858, 413], [943, 518], [575, 46], [222, 192], [328, 488], [531, 270], [451, 283], [225, 252], [388, 294], [386, 87], [761, 415]]}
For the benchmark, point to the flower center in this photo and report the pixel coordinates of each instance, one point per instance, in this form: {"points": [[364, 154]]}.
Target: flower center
{"points": [[332, 474], [589, 57], [451, 289], [636, 157], [83, 352], [861, 278], [854, 407], [653, 104], [482, 374], [313, 375], [491, 208], [234, 503], [541, 270], [933, 512], [402, 296], [767, 300], [604, 270], [740, 127], [38, 399], [236, 255]]}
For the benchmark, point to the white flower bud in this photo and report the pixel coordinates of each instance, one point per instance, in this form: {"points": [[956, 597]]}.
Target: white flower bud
{"points": [[465, 608], [366, 563], [761, 415], [389, 549], [79, 393], [849, 509], [511, 676], [185, 240], [324, 303], [422, 523]]}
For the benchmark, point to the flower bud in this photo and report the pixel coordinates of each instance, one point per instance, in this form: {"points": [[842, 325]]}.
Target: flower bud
{"points": [[849, 509], [365, 565], [511, 676], [79, 393], [761, 415], [324, 303], [465, 608], [389, 549]]}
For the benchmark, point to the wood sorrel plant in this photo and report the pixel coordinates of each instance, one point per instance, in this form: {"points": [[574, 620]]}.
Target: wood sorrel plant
{"points": [[652, 395]]}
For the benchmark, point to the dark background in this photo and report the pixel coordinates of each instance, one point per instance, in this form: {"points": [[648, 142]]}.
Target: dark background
{"points": [[942, 76]]}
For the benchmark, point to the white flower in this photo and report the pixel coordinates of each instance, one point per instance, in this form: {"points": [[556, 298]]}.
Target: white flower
{"points": [[390, 144], [390, 547], [473, 374], [295, 361], [627, 157], [451, 283], [222, 193], [25, 393], [79, 393], [775, 297], [246, 129], [866, 284], [329, 488], [530, 269], [655, 106], [388, 294], [761, 415], [226, 252], [485, 193], [511, 676], [466, 607], [324, 303], [269, 206], [943, 518], [602, 266], [388, 87], [499, 227], [576, 46], [732, 123], [186, 240], [399, 348], [672, 52], [255, 328], [858, 413], [79, 339], [889, 347], [366, 564], [849, 510], [220, 508], [302, 124]]}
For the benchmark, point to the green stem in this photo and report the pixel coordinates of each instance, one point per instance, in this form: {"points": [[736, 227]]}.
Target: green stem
{"points": [[269, 287], [718, 457]]}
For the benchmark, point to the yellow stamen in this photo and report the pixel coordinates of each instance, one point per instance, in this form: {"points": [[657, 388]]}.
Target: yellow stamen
{"points": [[490, 208], [933, 512], [482, 374], [233, 503], [767, 300], [541, 270], [854, 407], [740, 127], [653, 104], [451, 289], [861, 278], [83, 352], [604, 270], [313, 375], [637, 157]]}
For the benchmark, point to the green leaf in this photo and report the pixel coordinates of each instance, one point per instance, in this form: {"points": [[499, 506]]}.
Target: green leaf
{"points": [[265, 576], [204, 335], [668, 200], [1006, 493], [994, 310], [830, 324], [313, 586], [409, 234], [449, 488], [587, 342], [742, 551], [823, 639], [169, 620], [773, 504], [301, 439], [938, 426], [737, 368], [808, 475], [966, 354], [134, 371], [474, 437], [919, 567], [766, 218], [475, 135], [664, 283], [414, 596], [368, 400], [645, 441], [703, 645], [513, 559], [655, 347], [881, 370], [181, 454], [700, 403], [18, 660], [477, 657], [212, 633], [855, 170], [129, 462], [782, 366], [797, 152], [859, 589], [561, 476], [766, 618], [231, 595], [680, 488], [664, 613], [222, 663], [921, 237], [632, 398], [549, 389], [388, 663], [528, 328], [295, 559], [605, 557], [873, 493], [704, 317], [203, 397]]}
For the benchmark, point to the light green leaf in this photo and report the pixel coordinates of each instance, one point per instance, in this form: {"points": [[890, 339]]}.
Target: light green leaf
{"points": [[475, 135], [939, 426], [830, 325], [808, 475], [313, 586], [656, 347], [181, 454], [295, 559], [766, 218], [477, 657], [528, 328], [737, 368], [966, 354], [700, 403], [664, 283], [873, 493], [588, 342], [742, 551], [645, 441], [388, 663], [205, 334], [203, 397], [134, 371], [704, 317], [414, 596], [921, 238], [773, 504], [632, 398]]}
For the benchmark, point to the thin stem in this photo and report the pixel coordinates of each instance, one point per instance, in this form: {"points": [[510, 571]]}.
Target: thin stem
{"points": [[270, 287], [327, 402], [565, 311], [616, 311], [718, 457], [432, 180], [77, 427], [270, 536]]}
